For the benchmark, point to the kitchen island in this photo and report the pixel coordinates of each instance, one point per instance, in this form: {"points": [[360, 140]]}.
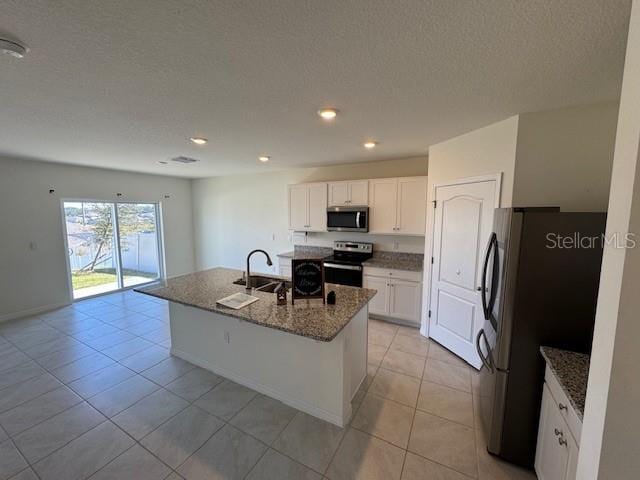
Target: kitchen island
{"points": [[311, 356]]}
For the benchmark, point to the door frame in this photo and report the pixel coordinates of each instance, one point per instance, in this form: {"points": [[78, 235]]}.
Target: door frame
{"points": [[115, 203], [497, 177]]}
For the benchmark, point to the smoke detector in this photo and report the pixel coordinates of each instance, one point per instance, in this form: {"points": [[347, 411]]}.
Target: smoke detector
{"points": [[183, 159], [12, 48]]}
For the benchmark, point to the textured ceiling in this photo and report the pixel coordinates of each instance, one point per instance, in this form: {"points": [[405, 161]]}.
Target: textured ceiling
{"points": [[124, 83]]}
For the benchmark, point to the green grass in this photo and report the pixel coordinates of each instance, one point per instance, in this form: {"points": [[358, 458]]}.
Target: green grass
{"points": [[98, 277], [82, 280]]}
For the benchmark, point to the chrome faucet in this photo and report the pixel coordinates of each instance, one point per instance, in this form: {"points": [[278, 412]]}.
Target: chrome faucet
{"points": [[248, 275]]}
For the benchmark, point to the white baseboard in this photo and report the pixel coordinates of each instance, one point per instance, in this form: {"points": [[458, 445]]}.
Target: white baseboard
{"points": [[264, 389], [32, 311]]}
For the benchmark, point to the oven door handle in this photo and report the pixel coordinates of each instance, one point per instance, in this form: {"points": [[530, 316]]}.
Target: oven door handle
{"points": [[343, 267]]}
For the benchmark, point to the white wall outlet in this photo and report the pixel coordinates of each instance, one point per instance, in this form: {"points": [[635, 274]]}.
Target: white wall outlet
{"points": [[396, 245]]}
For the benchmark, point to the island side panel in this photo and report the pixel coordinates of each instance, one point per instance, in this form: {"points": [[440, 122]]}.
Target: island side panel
{"points": [[304, 373], [357, 350]]}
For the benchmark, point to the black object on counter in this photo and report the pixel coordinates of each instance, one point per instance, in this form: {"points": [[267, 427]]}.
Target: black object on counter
{"points": [[331, 298], [281, 294]]}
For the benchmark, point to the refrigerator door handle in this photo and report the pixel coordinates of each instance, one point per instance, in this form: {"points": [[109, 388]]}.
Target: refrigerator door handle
{"points": [[483, 287], [487, 362]]}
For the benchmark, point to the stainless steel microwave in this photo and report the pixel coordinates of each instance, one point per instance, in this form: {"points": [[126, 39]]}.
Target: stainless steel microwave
{"points": [[348, 219]]}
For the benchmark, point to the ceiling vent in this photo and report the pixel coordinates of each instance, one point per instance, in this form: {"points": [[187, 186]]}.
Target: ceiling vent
{"points": [[182, 159]]}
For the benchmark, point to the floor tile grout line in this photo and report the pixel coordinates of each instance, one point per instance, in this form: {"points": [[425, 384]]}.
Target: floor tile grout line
{"points": [[67, 443], [82, 400], [353, 414]]}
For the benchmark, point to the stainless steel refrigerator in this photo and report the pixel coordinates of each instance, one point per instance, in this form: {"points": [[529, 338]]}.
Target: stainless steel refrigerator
{"points": [[540, 283]]}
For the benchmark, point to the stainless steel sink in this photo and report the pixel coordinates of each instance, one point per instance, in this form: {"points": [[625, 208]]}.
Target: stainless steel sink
{"points": [[263, 283], [257, 281], [271, 287]]}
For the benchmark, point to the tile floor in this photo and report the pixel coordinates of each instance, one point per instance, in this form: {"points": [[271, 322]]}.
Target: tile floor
{"points": [[91, 391]]}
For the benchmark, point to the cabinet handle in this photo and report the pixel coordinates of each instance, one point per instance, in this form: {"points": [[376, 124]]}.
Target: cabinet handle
{"points": [[562, 441], [562, 406]]}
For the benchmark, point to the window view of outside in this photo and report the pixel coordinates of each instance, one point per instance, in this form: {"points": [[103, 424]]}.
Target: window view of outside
{"points": [[138, 243], [94, 239]]}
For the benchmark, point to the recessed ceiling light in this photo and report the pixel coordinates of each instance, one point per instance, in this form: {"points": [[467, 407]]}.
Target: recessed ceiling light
{"points": [[370, 144], [264, 158], [12, 48], [328, 114], [199, 140]]}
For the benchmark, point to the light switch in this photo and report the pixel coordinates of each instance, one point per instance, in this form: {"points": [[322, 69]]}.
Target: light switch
{"points": [[33, 246]]}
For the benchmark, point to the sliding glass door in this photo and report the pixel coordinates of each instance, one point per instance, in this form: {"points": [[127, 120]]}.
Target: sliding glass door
{"points": [[111, 245], [138, 240]]}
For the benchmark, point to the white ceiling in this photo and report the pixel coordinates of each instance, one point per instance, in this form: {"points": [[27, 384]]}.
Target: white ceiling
{"points": [[124, 83]]}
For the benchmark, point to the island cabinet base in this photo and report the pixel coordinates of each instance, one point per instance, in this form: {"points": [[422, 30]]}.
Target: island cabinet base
{"points": [[318, 378]]}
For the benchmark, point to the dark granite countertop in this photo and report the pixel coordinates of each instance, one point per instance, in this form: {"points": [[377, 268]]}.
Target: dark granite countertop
{"points": [[396, 260], [307, 318], [572, 371], [307, 251]]}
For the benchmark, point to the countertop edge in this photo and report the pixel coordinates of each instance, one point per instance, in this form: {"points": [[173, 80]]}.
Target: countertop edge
{"points": [[559, 377]]}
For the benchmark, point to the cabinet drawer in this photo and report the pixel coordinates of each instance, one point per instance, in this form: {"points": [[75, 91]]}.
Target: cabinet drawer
{"points": [[390, 273], [569, 414]]}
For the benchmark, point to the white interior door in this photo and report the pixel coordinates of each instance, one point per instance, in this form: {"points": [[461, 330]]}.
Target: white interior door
{"points": [[462, 225]]}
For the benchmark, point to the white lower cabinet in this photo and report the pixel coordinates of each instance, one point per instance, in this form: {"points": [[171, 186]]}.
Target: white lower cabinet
{"points": [[380, 303], [557, 450], [399, 294], [405, 300]]}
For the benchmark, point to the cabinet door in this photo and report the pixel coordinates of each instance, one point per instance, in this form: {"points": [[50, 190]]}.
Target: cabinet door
{"points": [[338, 194], [383, 199], [359, 193], [380, 302], [317, 207], [405, 300], [298, 207], [552, 457], [412, 206]]}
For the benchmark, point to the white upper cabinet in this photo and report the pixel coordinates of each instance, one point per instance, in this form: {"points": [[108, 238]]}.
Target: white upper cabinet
{"points": [[317, 207], [383, 199], [308, 207], [398, 205], [412, 206], [359, 192], [349, 193]]}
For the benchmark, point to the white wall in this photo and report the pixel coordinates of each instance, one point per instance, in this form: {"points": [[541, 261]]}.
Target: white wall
{"points": [[485, 151], [235, 214], [610, 440], [564, 157], [37, 279]]}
